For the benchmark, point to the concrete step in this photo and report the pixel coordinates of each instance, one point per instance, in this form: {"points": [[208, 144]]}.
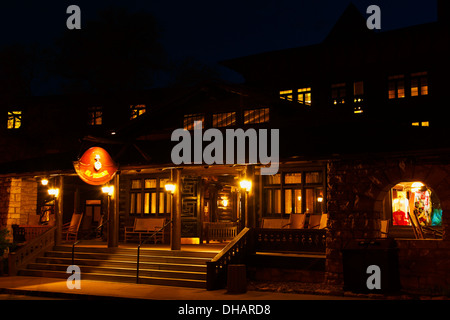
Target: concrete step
{"points": [[144, 257], [117, 278], [133, 251], [157, 266], [144, 272], [124, 264]]}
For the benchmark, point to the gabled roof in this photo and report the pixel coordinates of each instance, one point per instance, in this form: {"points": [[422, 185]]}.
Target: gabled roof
{"points": [[351, 25]]}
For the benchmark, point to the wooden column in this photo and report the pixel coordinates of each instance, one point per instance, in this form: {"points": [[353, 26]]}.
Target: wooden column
{"points": [[59, 203], [175, 240], [113, 214]]}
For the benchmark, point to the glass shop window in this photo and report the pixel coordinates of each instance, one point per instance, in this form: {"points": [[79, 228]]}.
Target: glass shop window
{"points": [[414, 201]]}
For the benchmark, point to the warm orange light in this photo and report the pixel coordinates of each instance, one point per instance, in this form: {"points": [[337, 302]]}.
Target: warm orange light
{"points": [[246, 185], [53, 192], [170, 187], [108, 190]]}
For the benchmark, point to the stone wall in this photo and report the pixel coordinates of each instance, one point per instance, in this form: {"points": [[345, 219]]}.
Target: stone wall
{"points": [[355, 192], [18, 204]]}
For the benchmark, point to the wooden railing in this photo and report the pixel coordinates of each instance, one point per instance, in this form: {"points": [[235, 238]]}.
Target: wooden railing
{"points": [[234, 252], [298, 240], [22, 232], [18, 259], [252, 240]]}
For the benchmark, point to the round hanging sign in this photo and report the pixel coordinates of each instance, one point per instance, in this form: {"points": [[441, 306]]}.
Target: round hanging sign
{"points": [[95, 167]]}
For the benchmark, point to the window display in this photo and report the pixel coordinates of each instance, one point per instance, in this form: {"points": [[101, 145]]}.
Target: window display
{"points": [[415, 198]]}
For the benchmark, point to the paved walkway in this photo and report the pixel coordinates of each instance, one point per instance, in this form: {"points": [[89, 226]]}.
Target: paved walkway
{"points": [[90, 289]]}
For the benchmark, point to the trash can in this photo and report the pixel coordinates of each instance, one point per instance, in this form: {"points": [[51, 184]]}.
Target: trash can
{"points": [[371, 266], [237, 278]]}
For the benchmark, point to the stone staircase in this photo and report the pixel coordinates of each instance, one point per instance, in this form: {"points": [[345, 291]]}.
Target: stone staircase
{"points": [[157, 266]]}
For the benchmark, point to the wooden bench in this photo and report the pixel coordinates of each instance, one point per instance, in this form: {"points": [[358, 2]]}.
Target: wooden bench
{"points": [[220, 231], [144, 227]]}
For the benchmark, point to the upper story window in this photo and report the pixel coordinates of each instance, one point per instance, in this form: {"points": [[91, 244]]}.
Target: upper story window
{"points": [[396, 86], [256, 116], [338, 93], [419, 84], [14, 119], [358, 96], [95, 116], [304, 96], [188, 121], [137, 110], [225, 119], [421, 124], [286, 94]]}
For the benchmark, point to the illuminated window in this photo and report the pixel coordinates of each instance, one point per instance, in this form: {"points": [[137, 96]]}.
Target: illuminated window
{"points": [[256, 116], [224, 119], [95, 115], [14, 119], [296, 192], [304, 96], [137, 110], [421, 124], [338, 93], [396, 86], [419, 84], [286, 94], [188, 121], [148, 197], [358, 96]]}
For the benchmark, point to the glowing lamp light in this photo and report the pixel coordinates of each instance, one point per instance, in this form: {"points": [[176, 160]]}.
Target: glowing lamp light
{"points": [[44, 182], [416, 186], [108, 190], [320, 199], [170, 187], [53, 192], [246, 185]]}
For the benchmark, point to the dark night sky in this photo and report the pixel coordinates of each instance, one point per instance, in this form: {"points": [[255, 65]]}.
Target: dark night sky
{"points": [[213, 30]]}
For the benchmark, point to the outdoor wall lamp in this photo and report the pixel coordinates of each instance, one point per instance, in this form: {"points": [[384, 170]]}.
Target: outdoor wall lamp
{"points": [[53, 192], [170, 187], [44, 181], [108, 190], [246, 185], [320, 199]]}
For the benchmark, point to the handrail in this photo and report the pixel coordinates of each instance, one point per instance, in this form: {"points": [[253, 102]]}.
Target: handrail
{"points": [[234, 251], [143, 242], [84, 237], [30, 250]]}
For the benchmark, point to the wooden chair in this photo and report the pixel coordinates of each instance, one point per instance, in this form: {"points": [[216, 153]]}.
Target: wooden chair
{"points": [[145, 227], [297, 221], [384, 228], [70, 229], [271, 223]]}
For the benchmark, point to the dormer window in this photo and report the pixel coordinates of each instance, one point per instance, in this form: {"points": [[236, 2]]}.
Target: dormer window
{"points": [[338, 93], [95, 116], [396, 86], [137, 110], [304, 96], [14, 119], [419, 84]]}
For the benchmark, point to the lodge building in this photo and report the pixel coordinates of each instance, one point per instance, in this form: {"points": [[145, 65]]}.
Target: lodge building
{"points": [[363, 155]]}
